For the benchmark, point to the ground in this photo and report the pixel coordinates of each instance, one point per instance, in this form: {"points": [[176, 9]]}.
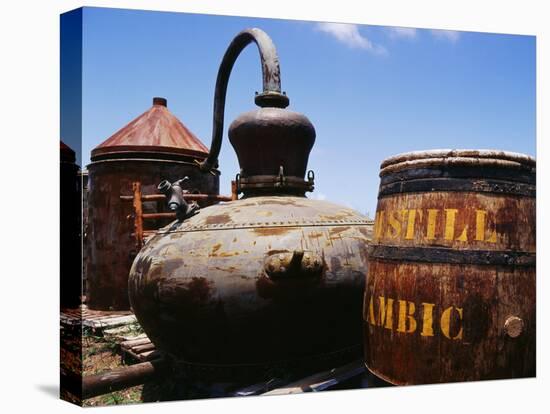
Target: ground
{"points": [[99, 354]]}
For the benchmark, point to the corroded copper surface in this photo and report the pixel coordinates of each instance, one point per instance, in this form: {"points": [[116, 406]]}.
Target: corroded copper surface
{"points": [[111, 245], [254, 281], [157, 130]]}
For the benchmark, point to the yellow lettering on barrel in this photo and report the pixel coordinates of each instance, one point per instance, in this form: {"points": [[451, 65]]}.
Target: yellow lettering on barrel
{"points": [[450, 216], [410, 225], [480, 224], [464, 235], [385, 312], [432, 219], [371, 319], [446, 322], [406, 312], [481, 216], [378, 224], [427, 319], [395, 225]]}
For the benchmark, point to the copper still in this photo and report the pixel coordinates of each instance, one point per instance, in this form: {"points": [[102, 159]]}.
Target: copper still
{"points": [[271, 278]]}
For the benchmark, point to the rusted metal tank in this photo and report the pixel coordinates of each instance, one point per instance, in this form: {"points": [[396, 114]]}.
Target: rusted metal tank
{"points": [[153, 147], [271, 279], [450, 290], [70, 229]]}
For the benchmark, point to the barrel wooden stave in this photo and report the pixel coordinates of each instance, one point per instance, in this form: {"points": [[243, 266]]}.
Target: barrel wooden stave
{"points": [[456, 258]]}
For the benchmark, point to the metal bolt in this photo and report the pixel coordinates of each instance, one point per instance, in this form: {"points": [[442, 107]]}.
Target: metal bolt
{"points": [[513, 326]]}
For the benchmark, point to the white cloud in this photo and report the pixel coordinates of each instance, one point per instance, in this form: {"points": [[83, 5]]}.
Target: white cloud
{"points": [[349, 35], [450, 35], [318, 196], [402, 32]]}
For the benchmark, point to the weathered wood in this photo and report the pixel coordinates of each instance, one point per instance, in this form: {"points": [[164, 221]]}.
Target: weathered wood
{"points": [[135, 342], [143, 348], [116, 380], [109, 322], [450, 292], [138, 214]]}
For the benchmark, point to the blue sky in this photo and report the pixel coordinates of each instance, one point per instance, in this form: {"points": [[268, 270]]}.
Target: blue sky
{"points": [[370, 91]]}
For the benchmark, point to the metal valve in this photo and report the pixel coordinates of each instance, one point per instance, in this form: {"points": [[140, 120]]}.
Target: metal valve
{"points": [[175, 199]]}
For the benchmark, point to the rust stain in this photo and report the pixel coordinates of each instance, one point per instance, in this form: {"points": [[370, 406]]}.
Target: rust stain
{"points": [[228, 254], [264, 213], [215, 248], [226, 269], [334, 217], [277, 202], [271, 231], [315, 235], [364, 231], [199, 288], [271, 252], [218, 219], [333, 231]]}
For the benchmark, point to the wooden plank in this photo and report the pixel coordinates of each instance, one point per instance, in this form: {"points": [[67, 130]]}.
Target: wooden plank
{"points": [[138, 349], [144, 356], [110, 323], [135, 342], [138, 214], [121, 378], [132, 337]]}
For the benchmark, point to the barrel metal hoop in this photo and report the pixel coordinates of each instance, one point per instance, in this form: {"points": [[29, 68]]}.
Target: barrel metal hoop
{"points": [[451, 256], [459, 185], [460, 172]]}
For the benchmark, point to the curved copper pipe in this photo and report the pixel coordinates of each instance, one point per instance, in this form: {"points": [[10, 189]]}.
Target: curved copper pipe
{"points": [[271, 96]]}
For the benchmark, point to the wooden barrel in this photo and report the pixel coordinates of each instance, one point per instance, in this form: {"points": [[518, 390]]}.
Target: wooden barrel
{"points": [[450, 290]]}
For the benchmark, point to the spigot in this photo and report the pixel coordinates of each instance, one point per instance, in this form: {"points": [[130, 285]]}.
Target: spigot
{"points": [[175, 199]]}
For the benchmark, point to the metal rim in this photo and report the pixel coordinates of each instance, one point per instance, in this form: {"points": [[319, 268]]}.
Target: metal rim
{"points": [[445, 162], [460, 153]]}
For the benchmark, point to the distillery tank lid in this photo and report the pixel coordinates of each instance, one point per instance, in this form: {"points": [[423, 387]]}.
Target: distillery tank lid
{"points": [[156, 133], [457, 157]]}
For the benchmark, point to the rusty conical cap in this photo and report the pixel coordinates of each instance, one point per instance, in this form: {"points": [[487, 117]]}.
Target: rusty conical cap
{"points": [[156, 133]]}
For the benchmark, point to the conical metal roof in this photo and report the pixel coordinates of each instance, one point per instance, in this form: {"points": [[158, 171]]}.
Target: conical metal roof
{"points": [[156, 133], [67, 154]]}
